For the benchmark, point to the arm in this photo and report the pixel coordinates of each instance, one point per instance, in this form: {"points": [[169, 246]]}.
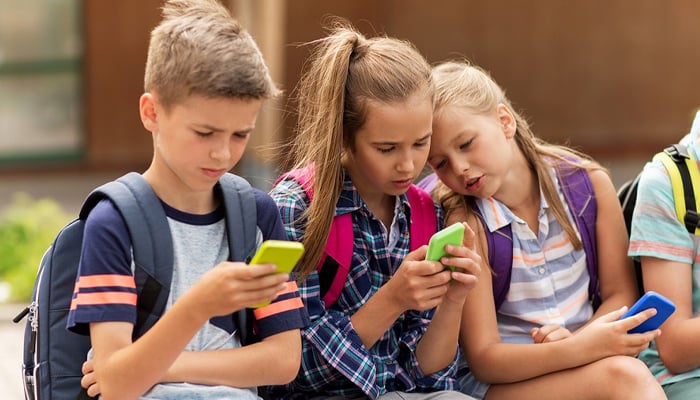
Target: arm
{"points": [[615, 271], [126, 370], [437, 349], [668, 255], [273, 361], [677, 346], [495, 362]]}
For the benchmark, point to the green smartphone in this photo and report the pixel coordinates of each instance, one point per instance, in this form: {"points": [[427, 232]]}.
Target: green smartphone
{"points": [[284, 254], [453, 234]]}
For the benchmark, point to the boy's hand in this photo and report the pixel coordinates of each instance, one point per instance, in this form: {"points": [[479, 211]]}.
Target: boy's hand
{"points": [[89, 379], [232, 286]]}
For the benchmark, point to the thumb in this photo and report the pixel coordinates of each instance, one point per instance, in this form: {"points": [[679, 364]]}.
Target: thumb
{"points": [[614, 315], [417, 254], [469, 240]]}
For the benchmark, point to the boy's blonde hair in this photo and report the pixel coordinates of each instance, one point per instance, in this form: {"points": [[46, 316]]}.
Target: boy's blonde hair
{"points": [[200, 49], [347, 72], [458, 83]]}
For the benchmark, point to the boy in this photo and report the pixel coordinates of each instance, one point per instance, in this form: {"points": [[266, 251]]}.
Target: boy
{"points": [[670, 259], [205, 83]]}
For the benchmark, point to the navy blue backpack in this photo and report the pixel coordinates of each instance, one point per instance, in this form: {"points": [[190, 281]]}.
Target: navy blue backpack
{"points": [[53, 356]]}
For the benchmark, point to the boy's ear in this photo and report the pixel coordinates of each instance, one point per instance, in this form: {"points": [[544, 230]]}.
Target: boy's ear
{"points": [[507, 120], [147, 110]]}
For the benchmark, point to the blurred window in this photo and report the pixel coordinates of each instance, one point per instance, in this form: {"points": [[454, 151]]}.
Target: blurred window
{"points": [[40, 85]]}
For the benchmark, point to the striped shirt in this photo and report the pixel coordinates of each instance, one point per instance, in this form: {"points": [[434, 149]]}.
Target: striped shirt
{"points": [[549, 282], [105, 287], [656, 232], [334, 360]]}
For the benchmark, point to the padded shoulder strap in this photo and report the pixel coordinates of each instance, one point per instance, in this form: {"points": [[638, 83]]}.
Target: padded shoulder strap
{"points": [[151, 240], [500, 249], [241, 229], [579, 194], [241, 216], [423, 216], [683, 171]]}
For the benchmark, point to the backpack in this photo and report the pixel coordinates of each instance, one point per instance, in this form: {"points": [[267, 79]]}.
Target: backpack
{"points": [[580, 197], [334, 265], [53, 355], [683, 171]]}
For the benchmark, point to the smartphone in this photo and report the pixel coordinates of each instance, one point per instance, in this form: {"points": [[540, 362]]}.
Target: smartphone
{"points": [[664, 308], [284, 254], [453, 234]]}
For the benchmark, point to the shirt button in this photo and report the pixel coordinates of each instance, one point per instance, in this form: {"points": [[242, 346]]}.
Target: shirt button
{"points": [[541, 270]]}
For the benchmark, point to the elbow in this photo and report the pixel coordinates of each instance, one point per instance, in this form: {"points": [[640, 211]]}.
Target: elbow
{"points": [[289, 370], [676, 361], [674, 357], [288, 366]]}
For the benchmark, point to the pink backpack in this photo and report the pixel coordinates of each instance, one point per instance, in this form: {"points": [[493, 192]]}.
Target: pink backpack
{"points": [[335, 262]]}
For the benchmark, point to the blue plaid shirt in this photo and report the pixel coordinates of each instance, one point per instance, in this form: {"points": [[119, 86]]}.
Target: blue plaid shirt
{"points": [[334, 360]]}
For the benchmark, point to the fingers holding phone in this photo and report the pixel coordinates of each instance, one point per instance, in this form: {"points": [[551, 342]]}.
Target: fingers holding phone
{"points": [[644, 320]]}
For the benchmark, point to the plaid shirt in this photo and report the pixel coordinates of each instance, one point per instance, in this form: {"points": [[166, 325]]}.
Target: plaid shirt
{"points": [[334, 360]]}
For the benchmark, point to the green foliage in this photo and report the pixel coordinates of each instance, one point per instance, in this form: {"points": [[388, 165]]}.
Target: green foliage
{"points": [[27, 229]]}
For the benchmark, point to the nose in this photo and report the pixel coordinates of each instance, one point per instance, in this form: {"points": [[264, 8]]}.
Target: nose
{"points": [[460, 166], [405, 164], [220, 152]]}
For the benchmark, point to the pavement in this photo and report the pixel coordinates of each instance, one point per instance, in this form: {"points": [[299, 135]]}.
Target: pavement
{"points": [[11, 345]]}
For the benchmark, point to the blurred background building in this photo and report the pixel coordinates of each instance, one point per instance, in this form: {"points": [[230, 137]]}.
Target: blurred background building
{"points": [[614, 78]]}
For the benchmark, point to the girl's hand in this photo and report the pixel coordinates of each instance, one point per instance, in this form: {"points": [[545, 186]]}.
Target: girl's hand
{"points": [[465, 263], [549, 333], [418, 284], [608, 334]]}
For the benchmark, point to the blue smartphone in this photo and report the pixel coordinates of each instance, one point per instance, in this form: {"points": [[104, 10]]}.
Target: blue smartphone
{"points": [[664, 308], [453, 234]]}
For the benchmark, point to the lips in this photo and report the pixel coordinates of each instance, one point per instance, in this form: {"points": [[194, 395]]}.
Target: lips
{"points": [[213, 172], [474, 184]]}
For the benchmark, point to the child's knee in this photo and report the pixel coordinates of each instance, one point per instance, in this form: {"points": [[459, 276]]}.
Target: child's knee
{"points": [[626, 372]]}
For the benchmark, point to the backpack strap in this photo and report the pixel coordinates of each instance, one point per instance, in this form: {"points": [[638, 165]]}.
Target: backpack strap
{"points": [[334, 266], [580, 197], [683, 171], [241, 216], [423, 217], [241, 228], [145, 219]]}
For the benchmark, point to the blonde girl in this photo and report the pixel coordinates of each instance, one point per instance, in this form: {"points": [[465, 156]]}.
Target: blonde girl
{"points": [[546, 340]]}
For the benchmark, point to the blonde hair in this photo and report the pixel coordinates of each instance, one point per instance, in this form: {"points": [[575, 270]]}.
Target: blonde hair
{"points": [[458, 83], [200, 49], [346, 71]]}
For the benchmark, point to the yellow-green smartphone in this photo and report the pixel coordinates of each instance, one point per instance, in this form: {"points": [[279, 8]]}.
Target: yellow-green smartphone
{"points": [[284, 254], [453, 234]]}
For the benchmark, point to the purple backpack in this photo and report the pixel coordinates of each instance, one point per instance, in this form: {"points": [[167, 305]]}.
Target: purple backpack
{"points": [[578, 192], [335, 262]]}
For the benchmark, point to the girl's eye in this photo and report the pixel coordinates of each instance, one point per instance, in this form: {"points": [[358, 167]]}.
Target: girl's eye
{"points": [[466, 144], [204, 134], [440, 164], [385, 149], [241, 135]]}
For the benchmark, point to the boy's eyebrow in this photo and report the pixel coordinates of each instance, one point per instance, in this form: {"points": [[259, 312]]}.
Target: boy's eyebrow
{"points": [[211, 128]]}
